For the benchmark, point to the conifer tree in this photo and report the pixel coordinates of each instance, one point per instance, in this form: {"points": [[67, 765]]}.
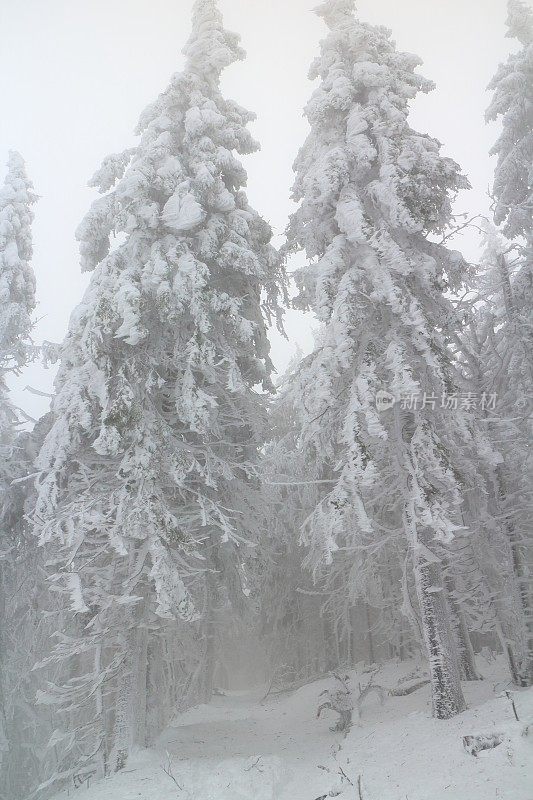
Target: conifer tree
{"points": [[507, 354], [511, 103], [17, 293], [17, 303], [17, 279], [149, 473], [373, 196]]}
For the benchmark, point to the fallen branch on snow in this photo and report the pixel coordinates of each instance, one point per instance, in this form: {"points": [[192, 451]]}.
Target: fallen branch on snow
{"points": [[405, 690], [476, 744], [167, 769], [515, 712]]}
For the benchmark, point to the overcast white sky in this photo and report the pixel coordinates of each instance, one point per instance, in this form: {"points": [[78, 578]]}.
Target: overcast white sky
{"points": [[75, 75]]}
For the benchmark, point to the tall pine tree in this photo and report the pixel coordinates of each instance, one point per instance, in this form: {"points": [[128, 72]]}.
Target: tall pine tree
{"points": [[148, 475], [17, 287], [17, 303], [508, 350], [373, 196], [512, 104]]}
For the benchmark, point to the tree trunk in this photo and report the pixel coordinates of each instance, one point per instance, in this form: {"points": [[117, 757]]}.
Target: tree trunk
{"points": [[492, 606], [370, 638], [328, 633], [447, 695], [124, 705], [469, 670], [522, 669], [467, 659], [210, 632], [140, 725], [4, 744], [100, 715], [353, 636], [523, 579]]}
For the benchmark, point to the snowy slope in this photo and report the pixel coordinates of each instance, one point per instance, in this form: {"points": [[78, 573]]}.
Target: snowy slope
{"points": [[240, 748]]}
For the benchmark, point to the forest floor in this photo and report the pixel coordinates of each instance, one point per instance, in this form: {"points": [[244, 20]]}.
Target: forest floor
{"points": [[241, 747]]}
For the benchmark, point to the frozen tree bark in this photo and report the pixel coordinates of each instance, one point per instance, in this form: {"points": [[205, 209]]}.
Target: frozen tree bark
{"points": [[447, 696], [210, 634], [125, 705], [4, 743], [469, 671]]}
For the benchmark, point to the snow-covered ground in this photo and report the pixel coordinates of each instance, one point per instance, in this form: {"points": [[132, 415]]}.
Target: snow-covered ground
{"points": [[241, 747]]}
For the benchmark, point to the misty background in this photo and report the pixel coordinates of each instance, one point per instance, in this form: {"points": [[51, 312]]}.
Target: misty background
{"points": [[76, 74]]}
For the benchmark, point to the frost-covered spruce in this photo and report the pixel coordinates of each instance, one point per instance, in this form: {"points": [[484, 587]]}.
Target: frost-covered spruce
{"points": [[147, 477], [17, 293], [372, 195], [512, 102], [17, 285], [504, 372], [508, 314], [17, 302], [17, 281], [17, 298]]}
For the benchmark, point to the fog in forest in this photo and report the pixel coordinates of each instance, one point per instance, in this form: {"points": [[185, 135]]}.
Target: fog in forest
{"points": [[266, 368]]}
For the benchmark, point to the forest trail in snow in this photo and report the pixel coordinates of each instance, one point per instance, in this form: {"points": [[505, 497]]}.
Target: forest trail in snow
{"points": [[240, 747], [273, 743]]}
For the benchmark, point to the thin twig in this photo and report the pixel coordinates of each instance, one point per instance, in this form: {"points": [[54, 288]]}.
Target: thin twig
{"points": [[513, 705], [168, 771]]}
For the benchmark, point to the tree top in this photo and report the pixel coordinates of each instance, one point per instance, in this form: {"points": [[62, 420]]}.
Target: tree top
{"points": [[334, 11], [520, 21], [210, 48]]}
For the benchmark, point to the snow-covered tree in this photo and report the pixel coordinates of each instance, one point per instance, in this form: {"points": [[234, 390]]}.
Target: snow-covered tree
{"points": [[512, 103], [17, 287], [373, 197], [506, 323], [17, 303], [28, 620], [148, 476], [17, 292], [498, 368]]}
